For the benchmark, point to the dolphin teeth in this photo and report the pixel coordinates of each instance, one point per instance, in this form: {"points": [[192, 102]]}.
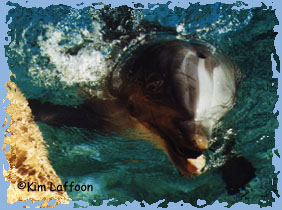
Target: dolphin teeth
{"points": [[195, 165]]}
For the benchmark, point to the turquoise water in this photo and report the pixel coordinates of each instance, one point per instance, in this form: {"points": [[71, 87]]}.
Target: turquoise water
{"points": [[45, 46]]}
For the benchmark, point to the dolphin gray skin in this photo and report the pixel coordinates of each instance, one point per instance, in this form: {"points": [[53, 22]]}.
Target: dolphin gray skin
{"points": [[174, 90]]}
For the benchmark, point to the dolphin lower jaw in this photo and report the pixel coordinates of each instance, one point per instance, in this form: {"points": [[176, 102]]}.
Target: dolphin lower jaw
{"points": [[195, 166], [186, 150], [190, 163]]}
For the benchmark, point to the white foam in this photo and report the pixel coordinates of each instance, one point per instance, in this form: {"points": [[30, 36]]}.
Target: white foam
{"points": [[87, 66], [180, 28]]}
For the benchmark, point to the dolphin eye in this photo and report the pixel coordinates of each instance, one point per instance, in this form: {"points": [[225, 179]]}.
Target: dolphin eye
{"points": [[154, 85], [131, 76]]}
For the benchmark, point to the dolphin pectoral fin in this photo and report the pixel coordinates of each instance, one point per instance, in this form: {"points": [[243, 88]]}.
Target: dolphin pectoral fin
{"points": [[59, 115]]}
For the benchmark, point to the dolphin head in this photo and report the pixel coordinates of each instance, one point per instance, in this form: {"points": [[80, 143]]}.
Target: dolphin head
{"points": [[179, 90]]}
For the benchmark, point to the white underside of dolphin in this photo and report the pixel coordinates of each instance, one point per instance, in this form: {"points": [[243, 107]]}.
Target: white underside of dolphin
{"points": [[216, 92]]}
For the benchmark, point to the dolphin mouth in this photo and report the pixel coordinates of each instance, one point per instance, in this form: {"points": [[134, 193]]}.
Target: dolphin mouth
{"points": [[197, 165], [190, 163], [186, 156]]}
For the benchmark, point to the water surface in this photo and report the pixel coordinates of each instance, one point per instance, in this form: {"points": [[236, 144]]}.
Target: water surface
{"points": [[55, 51]]}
